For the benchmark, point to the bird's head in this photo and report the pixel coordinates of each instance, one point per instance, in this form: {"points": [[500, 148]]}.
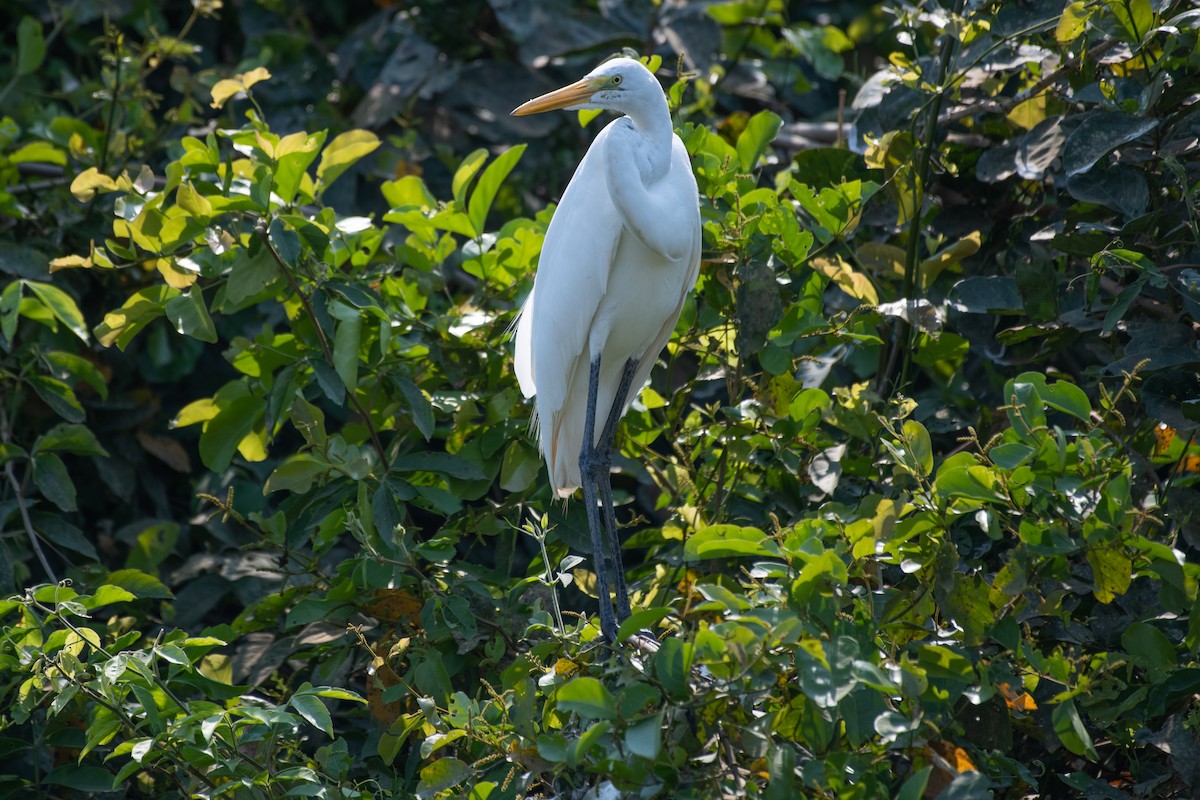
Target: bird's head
{"points": [[621, 85]]}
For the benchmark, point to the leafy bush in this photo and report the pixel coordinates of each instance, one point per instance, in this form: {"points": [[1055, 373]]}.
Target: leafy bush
{"points": [[910, 505]]}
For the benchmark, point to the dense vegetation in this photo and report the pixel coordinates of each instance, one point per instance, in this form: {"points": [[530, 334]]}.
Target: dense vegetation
{"points": [[910, 502]]}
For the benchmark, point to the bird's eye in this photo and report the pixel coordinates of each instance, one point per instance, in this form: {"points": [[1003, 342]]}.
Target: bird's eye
{"points": [[616, 79]]}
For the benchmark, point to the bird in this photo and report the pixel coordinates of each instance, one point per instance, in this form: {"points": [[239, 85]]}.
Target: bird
{"points": [[620, 255]]}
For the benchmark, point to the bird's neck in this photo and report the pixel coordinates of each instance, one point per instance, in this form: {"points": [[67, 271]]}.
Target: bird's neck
{"points": [[653, 122]]}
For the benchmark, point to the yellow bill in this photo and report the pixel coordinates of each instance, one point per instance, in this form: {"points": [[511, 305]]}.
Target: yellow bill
{"points": [[577, 93]]}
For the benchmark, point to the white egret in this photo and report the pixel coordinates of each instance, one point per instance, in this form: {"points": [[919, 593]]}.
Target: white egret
{"points": [[620, 255]]}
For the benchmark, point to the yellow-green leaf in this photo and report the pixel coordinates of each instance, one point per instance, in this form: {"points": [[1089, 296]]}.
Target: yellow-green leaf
{"points": [[342, 153], [91, 182]]}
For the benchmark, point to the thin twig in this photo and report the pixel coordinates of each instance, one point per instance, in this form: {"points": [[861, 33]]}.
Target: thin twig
{"points": [[1008, 104], [376, 442]]}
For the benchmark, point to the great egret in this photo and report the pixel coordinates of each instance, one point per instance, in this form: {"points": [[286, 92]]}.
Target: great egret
{"points": [[621, 253]]}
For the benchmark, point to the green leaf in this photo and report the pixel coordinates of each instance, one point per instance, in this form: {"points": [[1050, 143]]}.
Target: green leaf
{"points": [[293, 156], [725, 541], [142, 308], [225, 431], [419, 406], [463, 175], [443, 774], [645, 738], [445, 463], [1072, 22], [285, 241], [1098, 134], [642, 619], [1135, 16], [313, 710], [489, 184], [69, 438], [31, 46], [139, 584], [586, 697], [296, 474], [10, 303], [59, 396], [340, 154], [408, 192], [194, 203], [39, 152], [82, 778], [189, 315], [673, 666], [760, 131], [1071, 731], [1112, 572], [54, 528], [919, 441], [346, 341], [62, 306], [1150, 648]]}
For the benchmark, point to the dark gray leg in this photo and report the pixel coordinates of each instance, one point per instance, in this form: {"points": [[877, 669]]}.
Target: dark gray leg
{"points": [[591, 467], [607, 437]]}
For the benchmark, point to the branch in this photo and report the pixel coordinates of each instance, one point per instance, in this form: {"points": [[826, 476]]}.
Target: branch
{"points": [[376, 442], [1008, 104]]}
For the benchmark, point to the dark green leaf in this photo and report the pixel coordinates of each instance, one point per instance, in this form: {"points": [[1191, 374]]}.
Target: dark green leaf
{"points": [[51, 477], [586, 697]]}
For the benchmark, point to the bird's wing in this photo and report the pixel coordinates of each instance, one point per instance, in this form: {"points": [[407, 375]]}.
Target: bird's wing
{"points": [[572, 277], [681, 171]]}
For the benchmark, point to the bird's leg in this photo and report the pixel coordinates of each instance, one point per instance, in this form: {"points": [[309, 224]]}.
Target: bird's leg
{"points": [[607, 437], [591, 466]]}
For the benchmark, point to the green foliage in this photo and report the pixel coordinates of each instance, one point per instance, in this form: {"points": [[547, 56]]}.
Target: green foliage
{"points": [[910, 510]]}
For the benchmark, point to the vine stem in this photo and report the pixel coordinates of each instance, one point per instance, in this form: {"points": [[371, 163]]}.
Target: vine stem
{"points": [[904, 328], [22, 506], [376, 442]]}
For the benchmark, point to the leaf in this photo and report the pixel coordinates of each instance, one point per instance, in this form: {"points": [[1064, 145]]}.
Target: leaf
{"points": [[760, 131], [1149, 647], [55, 529], [82, 778], [986, 295], [346, 341], [1122, 188], [443, 774], [59, 396], [586, 697], [725, 541], [1098, 135], [445, 463], [189, 315], [313, 710], [194, 203], [39, 152], [673, 666], [1071, 731], [91, 182], [418, 406], [1135, 16], [296, 474], [31, 46], [340, 154], [225, 431], [69, 438], [489, 184], [62, 306], [139, 584], [142, 308], [645, 738], [1112, 572], [1072, 22], [463, 175]]}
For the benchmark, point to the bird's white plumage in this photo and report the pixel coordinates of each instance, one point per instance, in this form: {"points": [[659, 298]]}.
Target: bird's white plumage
{"points": [[620, 255]]}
